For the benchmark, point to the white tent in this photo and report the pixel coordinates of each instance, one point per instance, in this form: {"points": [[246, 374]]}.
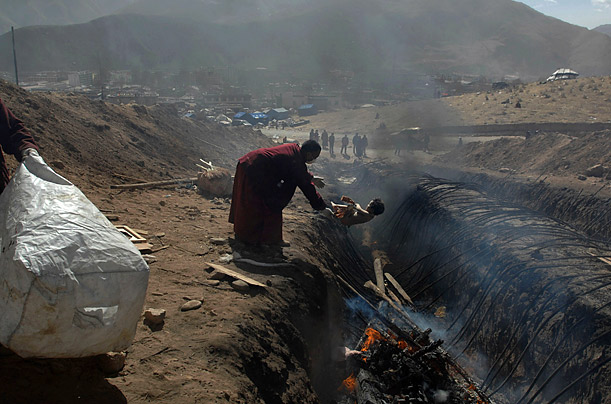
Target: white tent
{"points": [[563, 74]]}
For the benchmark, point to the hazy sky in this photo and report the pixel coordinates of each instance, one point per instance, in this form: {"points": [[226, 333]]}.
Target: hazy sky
{"points": [[585, 13]]}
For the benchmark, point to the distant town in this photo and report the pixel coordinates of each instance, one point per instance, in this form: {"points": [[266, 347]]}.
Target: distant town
{"points": [[222, 94]]}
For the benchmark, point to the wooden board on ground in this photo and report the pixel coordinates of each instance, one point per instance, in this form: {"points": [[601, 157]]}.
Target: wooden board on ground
{"points": [[131, 234], [235, 274]]}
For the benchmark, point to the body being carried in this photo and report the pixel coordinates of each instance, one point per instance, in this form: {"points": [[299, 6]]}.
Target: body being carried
{"points": [[352, 213]]}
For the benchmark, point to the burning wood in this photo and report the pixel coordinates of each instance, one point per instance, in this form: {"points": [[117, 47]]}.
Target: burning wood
{"points": [[394, 370]]}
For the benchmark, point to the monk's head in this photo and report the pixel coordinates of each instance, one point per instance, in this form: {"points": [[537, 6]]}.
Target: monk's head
{"points": [[310, 150], [375, 207]]}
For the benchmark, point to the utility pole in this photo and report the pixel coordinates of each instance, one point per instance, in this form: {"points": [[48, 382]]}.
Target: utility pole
{"points": [[15, 56]]}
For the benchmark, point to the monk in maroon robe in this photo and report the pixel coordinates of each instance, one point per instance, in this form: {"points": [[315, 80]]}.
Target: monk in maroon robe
{"points": [[264, 183], [15, 139]]}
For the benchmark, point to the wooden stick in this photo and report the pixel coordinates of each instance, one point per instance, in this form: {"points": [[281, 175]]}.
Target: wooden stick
{"points": [[378, 292], [377, 268], [397, 286], [153, 184], [235, 274]]}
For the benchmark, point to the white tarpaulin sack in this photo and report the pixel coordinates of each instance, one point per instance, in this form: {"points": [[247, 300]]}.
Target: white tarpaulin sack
{"points": [[71, 284]]}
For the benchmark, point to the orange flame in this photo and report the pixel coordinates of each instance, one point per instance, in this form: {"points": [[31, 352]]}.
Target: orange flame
{"points": [[372, 336], [349, 383], [400, 343]]}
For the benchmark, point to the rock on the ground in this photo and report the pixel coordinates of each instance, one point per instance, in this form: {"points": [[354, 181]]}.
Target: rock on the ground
{"points": [[191, 305], [240, 286], [155, 316], [111, 362], [217, 275], [218, 241], [597, 170]]}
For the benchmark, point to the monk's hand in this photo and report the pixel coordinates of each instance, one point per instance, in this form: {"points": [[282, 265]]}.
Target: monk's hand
{"points": [[318, 182]]}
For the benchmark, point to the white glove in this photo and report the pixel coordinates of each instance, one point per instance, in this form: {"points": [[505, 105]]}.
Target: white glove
{"points": [[318, 182], [30, 151]]}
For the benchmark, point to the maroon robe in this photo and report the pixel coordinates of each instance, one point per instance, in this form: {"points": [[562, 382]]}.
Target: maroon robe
{"points": [[264, 183], [14, 138]]}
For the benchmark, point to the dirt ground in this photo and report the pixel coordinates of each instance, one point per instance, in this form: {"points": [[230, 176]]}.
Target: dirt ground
{"points": [[251, 346]]}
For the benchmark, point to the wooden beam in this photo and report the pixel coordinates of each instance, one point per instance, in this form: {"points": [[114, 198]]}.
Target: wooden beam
{"points": [[397, 286], [235, 274], [379, 273], [153, 184]]}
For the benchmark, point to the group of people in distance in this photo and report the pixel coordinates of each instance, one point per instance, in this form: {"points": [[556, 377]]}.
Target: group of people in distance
{"points": [[359, 143]]}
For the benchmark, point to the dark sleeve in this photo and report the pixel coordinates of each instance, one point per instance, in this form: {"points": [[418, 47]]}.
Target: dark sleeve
{"points": [[304, 182], [14, 136]]}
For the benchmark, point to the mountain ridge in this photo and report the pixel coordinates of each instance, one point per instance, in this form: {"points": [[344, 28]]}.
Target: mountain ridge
{"points": [[490, 38]]}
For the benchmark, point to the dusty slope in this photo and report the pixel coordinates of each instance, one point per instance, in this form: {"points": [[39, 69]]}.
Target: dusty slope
{"points": [[581, 100], [96, 139], [238, 347]]}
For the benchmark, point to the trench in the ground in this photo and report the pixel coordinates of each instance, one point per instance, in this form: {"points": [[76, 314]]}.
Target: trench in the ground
{"points": [[522, 299]]}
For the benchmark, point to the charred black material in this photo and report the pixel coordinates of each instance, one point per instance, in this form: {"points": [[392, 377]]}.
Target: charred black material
{"points": [[526, 292]]}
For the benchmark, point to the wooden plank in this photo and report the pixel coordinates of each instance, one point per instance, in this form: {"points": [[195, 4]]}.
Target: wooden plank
{"points": [[397, 286], [399, 309], [393, 297], [603, 259], [144, 248], [153, 184], [132, 234], [377, 269], [234, 274]]}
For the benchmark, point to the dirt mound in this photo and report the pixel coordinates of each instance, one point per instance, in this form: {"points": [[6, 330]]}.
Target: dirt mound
{"points": [[93, 140], [541, 154]]}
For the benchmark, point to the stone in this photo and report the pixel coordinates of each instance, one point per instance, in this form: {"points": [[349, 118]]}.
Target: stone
{"points": [[240, 286], [154, 316], [597, 170], [191, 305], [582, 177], [57, 164], [218, 275], [111, 362], [218, 241], [211, 282]]}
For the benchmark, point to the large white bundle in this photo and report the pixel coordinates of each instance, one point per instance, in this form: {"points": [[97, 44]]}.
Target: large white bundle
{"points": [[71, 285]]}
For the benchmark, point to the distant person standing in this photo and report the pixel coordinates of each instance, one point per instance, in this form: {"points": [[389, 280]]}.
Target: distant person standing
{"points": [[331, 143], [364, 144], [345, 142], [316, 136], [397, 144], [311, 134], [355, 143], [325, 139]]}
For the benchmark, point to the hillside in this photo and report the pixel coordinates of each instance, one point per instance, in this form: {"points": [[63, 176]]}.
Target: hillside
{"points": [[262, 345], [586, 100], [96, 143], [43, 12], [372, 39], [605, 29]]}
